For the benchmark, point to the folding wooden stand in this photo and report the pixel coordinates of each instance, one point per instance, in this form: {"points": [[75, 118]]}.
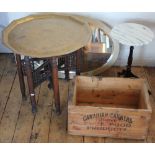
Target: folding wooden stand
{"points": [[46, 71]]}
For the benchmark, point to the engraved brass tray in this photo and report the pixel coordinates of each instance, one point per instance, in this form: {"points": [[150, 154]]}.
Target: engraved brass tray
{"points": [[47, 35]]}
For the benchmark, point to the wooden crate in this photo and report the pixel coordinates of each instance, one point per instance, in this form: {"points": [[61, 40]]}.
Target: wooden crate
{"points": [[109, 107]]}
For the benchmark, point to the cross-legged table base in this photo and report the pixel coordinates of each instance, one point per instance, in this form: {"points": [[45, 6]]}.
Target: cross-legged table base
{"points": [[47, 71], [29, 75]]}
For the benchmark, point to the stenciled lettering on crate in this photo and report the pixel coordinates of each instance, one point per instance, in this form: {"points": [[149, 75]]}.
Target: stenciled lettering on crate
{"points": [[114, 121]]}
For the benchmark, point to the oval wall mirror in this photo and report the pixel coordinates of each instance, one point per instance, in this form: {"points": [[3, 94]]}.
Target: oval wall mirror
{"points": [[102, 51]]}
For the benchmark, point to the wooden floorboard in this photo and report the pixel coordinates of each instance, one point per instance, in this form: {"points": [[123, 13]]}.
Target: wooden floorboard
{"points": [[6, 83], [9, 119], [18, 124], [25, 120], [58, 126], [3, 62], [40, 130]]}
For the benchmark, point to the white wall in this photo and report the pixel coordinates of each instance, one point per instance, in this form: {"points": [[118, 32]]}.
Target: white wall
{"points": [[143, 56], [4, 20]]}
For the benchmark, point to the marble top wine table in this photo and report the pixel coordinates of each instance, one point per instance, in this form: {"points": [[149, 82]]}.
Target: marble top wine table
{"points": [[131, 34]]}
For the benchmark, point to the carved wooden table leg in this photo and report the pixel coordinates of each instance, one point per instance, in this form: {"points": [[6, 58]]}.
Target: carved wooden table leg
{"points": [[30, 83], [78, 62], [53, 62], [67, 67], [20, 75]]}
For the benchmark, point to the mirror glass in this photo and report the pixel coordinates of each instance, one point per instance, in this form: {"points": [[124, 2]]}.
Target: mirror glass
{"points": [[98, 51]]}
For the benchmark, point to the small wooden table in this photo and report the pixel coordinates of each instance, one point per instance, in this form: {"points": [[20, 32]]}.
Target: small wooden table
{"points": [[131, 34], [45, 36]]}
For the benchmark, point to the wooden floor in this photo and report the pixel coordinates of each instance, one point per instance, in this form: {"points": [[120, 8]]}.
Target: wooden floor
{"points": [[18, 124]]}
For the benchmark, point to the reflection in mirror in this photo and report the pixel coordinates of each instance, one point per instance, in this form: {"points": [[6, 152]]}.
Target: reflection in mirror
{"points": [[98, 51]]}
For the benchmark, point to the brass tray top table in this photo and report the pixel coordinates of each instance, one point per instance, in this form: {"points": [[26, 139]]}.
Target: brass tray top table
{"points": [[131, 34], [45, 36]]}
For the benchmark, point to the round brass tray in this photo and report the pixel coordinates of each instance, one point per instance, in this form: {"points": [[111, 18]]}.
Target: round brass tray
{"points": [[46, 35]]}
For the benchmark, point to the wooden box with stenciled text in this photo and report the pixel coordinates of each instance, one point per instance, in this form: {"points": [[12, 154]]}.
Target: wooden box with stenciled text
{"points": [[109, 107]]}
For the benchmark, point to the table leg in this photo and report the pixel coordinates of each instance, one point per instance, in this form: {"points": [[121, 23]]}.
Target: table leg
{"points": [[78, 64], [53, 62], [67, 67], [30, 84], [128, 73], [21, 76]]}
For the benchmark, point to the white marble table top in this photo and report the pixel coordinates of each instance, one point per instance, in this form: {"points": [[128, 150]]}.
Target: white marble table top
{"points": [[132, 34]]}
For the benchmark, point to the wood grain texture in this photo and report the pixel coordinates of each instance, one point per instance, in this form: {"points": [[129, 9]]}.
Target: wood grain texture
{"points": [[2, 65], [111, 72], [25, 120], [6, 83], [10, 116], [88, 139], [150, 74], [85, 118], [139, 71], [58, 125], [41, 124]]}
